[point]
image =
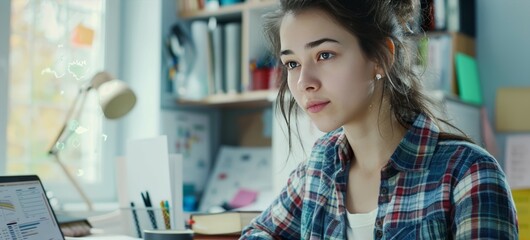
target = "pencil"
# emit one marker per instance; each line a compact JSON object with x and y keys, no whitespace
{"x":165,"y":213}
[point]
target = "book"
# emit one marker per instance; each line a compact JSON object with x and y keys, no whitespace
{"x":73,"y":226}
{"x":226,"y":223}
{"x":461,"y":16}
{"x":218,"y":56}
{"x":232,"y":57}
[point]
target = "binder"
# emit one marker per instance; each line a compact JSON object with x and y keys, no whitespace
{"x":233,"y":57}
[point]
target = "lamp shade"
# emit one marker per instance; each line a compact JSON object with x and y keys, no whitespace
{"x":115,"y":97}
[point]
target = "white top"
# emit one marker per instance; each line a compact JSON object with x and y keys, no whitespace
{"x":361,"y":225}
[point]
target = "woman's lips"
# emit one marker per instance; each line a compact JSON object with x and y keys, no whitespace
{"x":316,"y":106}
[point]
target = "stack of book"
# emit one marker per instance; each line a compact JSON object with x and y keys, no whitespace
{"x":225,"y":225}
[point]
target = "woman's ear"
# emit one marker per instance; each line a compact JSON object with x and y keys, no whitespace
{"x":392,"y":49}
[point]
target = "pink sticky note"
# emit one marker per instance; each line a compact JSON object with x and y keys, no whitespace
{"x":244,"y":197}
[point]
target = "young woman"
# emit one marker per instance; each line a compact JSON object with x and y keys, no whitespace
{"x":384,"y":170}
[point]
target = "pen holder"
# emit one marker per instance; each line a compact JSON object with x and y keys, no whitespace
{"x":168,"y":235}
{"x":139,"y":220}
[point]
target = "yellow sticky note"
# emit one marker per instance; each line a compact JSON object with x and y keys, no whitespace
{"x":522,"y":203}
{"x":513,"y":109}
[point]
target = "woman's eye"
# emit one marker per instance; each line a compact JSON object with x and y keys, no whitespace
{"x":325,"y":56}
{"x":291,"y":65}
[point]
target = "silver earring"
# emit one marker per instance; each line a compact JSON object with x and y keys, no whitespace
{"x":378,"y":76}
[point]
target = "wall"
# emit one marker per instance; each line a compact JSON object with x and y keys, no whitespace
{"x":5,"y":8}
{"x":502,"y":50}
{"x":141,"y":44}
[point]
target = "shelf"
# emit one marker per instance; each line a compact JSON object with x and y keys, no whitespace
{"x":260,"y":98}
{"x":227,"y":11}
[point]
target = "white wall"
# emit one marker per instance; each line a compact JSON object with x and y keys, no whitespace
{"x":141,"y":38}
{"x":5,"y":8}
{"x":502,"y":50}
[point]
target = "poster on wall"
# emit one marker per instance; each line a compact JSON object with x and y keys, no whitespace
{"x":241,"y":178}
{"x":189,"y":134}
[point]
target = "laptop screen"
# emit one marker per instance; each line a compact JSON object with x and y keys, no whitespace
{"x":25,"y":212}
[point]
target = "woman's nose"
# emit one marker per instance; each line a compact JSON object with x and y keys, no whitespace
{"x":308,"y":80}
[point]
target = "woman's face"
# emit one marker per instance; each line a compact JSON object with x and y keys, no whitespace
{"x":328,"y":74}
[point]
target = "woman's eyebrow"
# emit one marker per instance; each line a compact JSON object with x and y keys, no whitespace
{"x":310,"y":45}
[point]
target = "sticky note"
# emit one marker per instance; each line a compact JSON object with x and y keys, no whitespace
{"x":512,"y":110}
{"x":243,"y":197}
{"x":82,"y":36}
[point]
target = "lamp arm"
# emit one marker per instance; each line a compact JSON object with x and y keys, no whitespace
{"x":54,"y":151}
{"x":74,"y":182}
{"x":81,"y":95}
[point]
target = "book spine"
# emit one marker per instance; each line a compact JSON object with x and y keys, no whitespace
{"x":232,"y":48}
{"x":453,"y":15}
{"x":218,"y":59}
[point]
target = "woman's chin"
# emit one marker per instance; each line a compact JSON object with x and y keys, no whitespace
{"x":325,"y":127}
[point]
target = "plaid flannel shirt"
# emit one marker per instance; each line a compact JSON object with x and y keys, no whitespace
{"x":430,"y":189}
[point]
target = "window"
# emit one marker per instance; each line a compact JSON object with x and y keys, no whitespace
{"x":56,"y":46}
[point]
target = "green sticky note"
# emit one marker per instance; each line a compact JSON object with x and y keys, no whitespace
{"x":468,"y":79}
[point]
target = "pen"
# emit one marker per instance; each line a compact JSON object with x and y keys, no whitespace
{"x":165,"y":213}
{"x":135,"y":218}
{"x":149,"y":205}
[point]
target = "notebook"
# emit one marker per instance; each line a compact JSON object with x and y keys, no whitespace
{"x":25,"y":212}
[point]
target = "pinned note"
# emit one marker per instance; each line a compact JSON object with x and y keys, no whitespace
{"x":518,"y":161}
{"x":512,"y":109}
{"x":82,"y":36}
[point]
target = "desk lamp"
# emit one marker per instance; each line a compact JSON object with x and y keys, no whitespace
{"x":115,"y":98}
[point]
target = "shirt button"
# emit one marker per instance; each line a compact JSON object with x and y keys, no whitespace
{"x":379,"y":234}
{"x":384,"y":190}
{"x":378,"y":222}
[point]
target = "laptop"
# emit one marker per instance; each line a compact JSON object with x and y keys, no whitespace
{"x":25,"y":212}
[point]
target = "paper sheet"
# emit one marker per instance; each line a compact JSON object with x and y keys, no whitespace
{"x":147,"y":170}
{"x":175,"y":174}
{"x":518,"y":161}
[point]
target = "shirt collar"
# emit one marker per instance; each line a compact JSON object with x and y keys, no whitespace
{"x":344,"y":150}
{"x":413,"y":153}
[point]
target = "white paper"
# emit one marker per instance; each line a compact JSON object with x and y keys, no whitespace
{"x":147,"y":162}
{"x":518,"y":161}
{"x":175,"y":174}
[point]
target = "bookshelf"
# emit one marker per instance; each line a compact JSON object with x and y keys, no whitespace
{"x":250,"y":99}
{"x":249,"y":15}
{"x":236,"y":119}
{"x":226,"y":11}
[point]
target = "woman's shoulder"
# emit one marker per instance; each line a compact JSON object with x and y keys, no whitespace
{"x":460,"y":156}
